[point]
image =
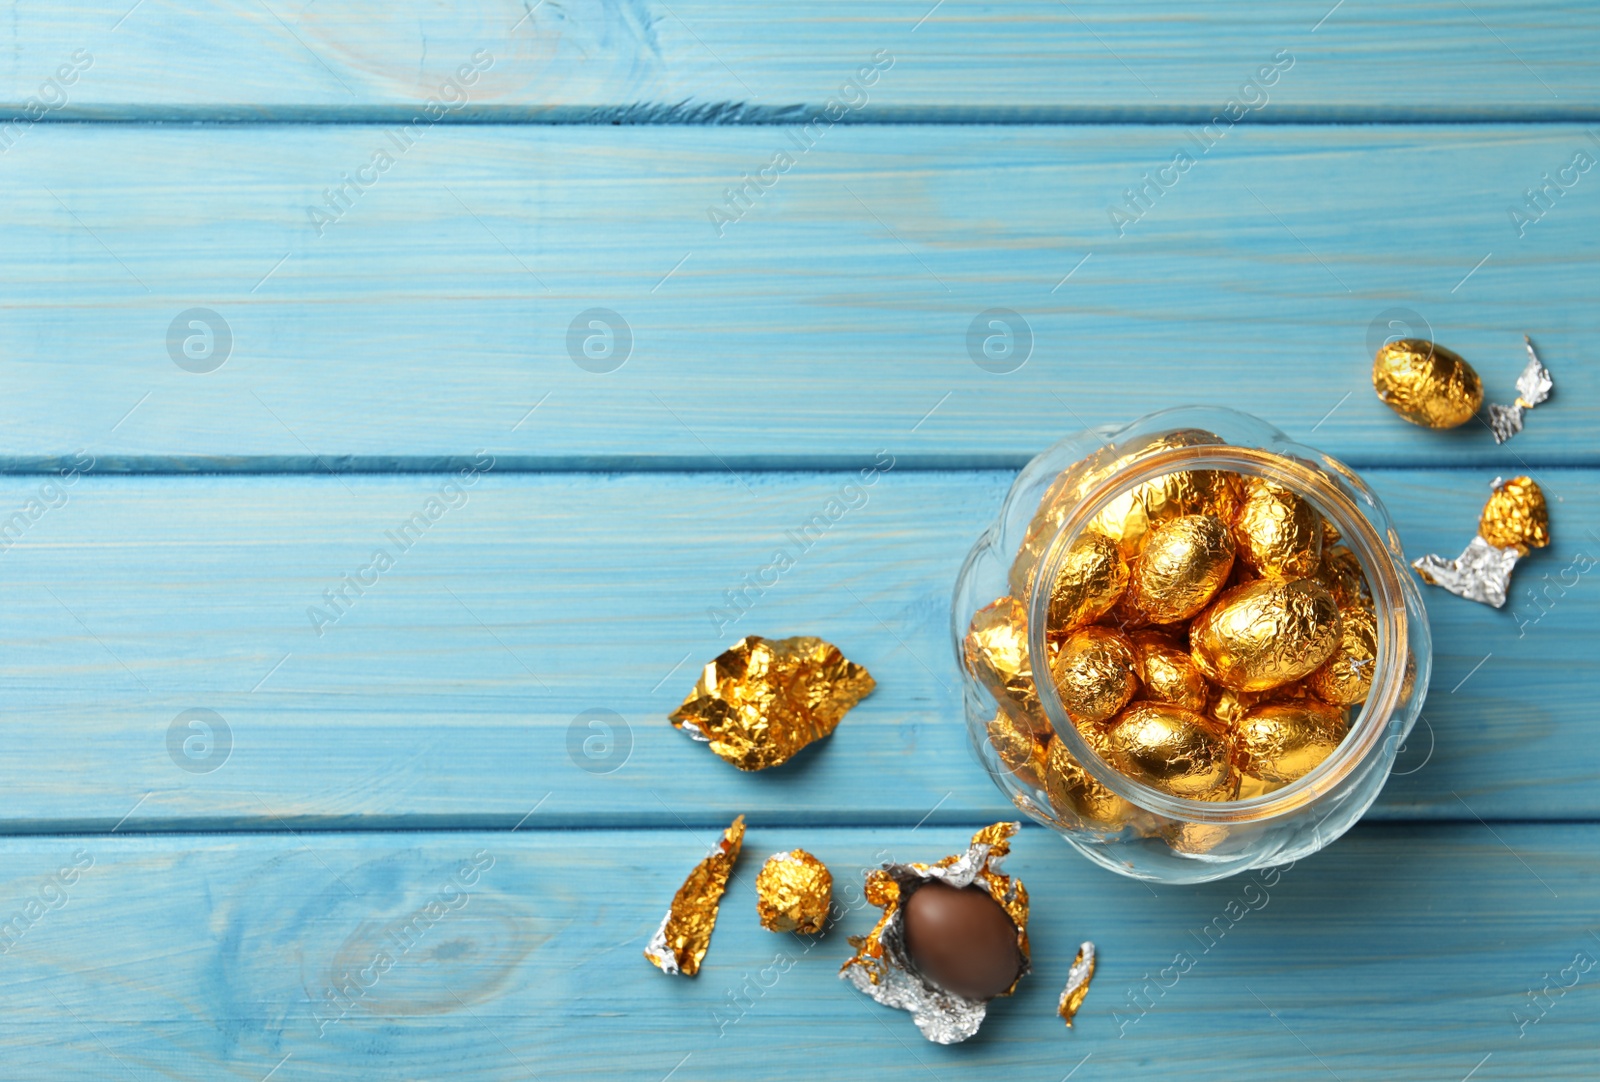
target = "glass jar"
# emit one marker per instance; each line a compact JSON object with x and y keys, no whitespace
{"x":1161,"y":836}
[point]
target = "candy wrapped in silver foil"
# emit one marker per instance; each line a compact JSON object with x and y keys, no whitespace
{"x":882,"y":966}
{"x":1514,"y":521}
{"x":1533,"y":387}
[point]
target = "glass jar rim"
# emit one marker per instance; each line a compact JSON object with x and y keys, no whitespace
{"x":1389,"y":603}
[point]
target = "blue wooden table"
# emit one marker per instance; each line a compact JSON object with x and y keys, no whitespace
{"x":289,"y":283}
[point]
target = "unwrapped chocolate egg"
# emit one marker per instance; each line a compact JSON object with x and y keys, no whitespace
{"x":996,"y":652}
{"x":1426,"y":384}
{"x":1278,"y":533}
{"x":1019,"y":749}
{"x":1516,"y":516}
{"x":1075,"y":794}
{"x":1346,"y":677}
{"x":1282,"y":741}
{"x":1091,"y":578}
{"x":1167,"y":673}
{"x":1265,"y":634}
{"x":1169,"y":748}
{"x":1094,"y":674}
{"x":1185,"y":562}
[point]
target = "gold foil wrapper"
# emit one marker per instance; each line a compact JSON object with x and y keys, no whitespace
{"x":1075,"y":795}
{"x":1346,"y":677}
{"x":1130,"y":516}
{"x":1090,"y":581}
{"x":1266,"y":634}
{"x":1169,"y":748}
{"x":1515,"y":520}
{"x":763,"y":700}
{"x":1279,"y":533}
{"x":1078,"y":978}
{"x":1426,"y":384}
{"x":996,"y":652}
{"x":881,"y":966}
{"x":1167,"y":673}
{"x":1280,"y":742}
{"x":1230,"y":707}
{"x":679,"y":945}
{"x":1341,"y":573}
{"x":793,"y":893}
{"x":1516,"y":516}
{"x":1185,"y":562}
{"x":1020,"y":750}
{"x":1094,"y":674}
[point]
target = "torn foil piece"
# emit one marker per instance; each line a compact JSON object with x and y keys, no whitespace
{"x":882,"y":967}
{"x":1533,"y":387}
{"x":1515,"y":520}
{"x":680,"y":943}
{"x":1078,"y":978}
{"x":762,"y":700}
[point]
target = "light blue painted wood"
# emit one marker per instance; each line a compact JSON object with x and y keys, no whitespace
{"x":447,"y":693}
{"x":695,"y":59}
{"x":1401,"y":953}
{"x":828,"y":323}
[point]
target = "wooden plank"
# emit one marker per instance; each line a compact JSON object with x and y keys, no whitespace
{"x":696,"y":60}
{"x":454,"y":689}
{"x":435,"y":314}
{"x":1401,"y":953}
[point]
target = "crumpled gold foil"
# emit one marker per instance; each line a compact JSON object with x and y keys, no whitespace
{"x":1078,"y":978}
{"x":1280,"y":742}
{"x":1514,"y":521}
{"x":1267,"y":633}
{"x":1076,"y":796}
{"x":1130,"y":516}
{"x":793,"y":893}
{"x":996,"y":652}
{"x":1091,"y":579}
{"x":762,"y":700}
{"x":1167,"y":674}
{"x":1346,"y":677}
{"x":1094,"y":674}
{"x":1278,"y":532}
{"x":1426,"y":384}
{"x":1022,"y":752}
{"x":881,"y":966}
{"x":679,"y":945}
{"x":1171,"y":749}
{"x":1341,"y":573}
{"x":1185,"y":562}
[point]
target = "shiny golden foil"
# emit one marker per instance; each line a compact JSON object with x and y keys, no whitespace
{"x":996,"y":652}
{"x":1019,"y":749}
{"x":1278,"y":532}
{"x":1167,"y":673}
{"x":1091,"y":579}
{"x":1130,"y":516}
{"x":763,"y":700}
{"x":1078,"y":978}
{"x":1280,"y":742}
{"x":1516,"y":516}
{"x":1169,"y":748}
{"x":1346,"y":677}
{"x":1265,"y":634}
{"x":1094,"y":674}
{"x":1426,"y":384}
{"x":880,"y":966}
{"x":1253,"y":787}
{"x":1075,"y":794}
{"x":1341,"y":574}
{"x":1185,"y":562}
{"x":793,"y":892}
{"x":679,"y":945}
{"x":1230,"y":707}
{"x":1194,"y":839}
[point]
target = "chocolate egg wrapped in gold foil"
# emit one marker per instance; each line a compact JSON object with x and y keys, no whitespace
{"x":1130,"y":516}
{"x":1019,"y":749}
{"x":1185,"y":562}
{"x":1426,"y":384}
{"x":1169,"y":748}
{"x":1091,"y":578}
{"x":1341,"y":574}
{"x":1167,"y":673}
{"x":1516,"y":516}
{"x":793,"y":893}
{"x":1075,"y":794}
{"x":1346,"y":677}
{"x":1281,"y":742}
{"x":1094,"y":674}
{"x":1278,"y":533}
{"x":1265,"y":634}
{"x":1230,"y":707}
{"x":996,"y":652}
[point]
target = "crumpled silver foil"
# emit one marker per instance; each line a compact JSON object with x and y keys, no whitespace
{"x":1482,"y":573}
{"x":1533,"y":387}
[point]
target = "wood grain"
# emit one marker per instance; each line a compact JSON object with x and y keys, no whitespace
{"x":212,"y":957}
{"x":431,"y":320}
{"x":453,"y":690}
{"x":697,"y":61}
